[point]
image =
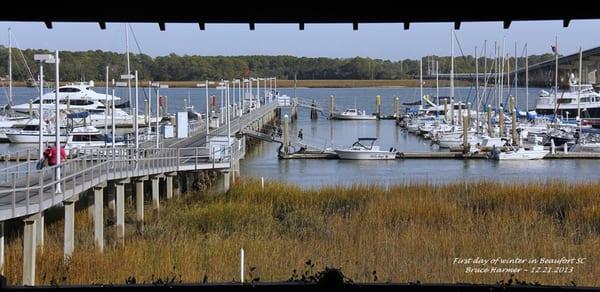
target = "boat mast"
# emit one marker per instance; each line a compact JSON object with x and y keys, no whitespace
{"x":580,"y":82}
{"x":452,"y":74}
{"x":421,"y":80}
{"x":476,"y":88}
{"x":555,"y":76}
{"x":437,"y":83}
{"x":526,"y":80}
{"x":128,"y":66}
{"x":516,"y":75}
{"x":10,"y":94}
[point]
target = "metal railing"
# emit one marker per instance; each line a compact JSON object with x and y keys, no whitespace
{"x":27,"y":192}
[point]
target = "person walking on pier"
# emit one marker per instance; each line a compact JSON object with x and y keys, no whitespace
{"x":51,"y":155}
{"x":300,"y":134}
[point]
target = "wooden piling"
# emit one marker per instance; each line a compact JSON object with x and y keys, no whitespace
{"x":515,"y":139}
{"x":331,"y":105}
{"x":286,"y":135}
{"x":396,"y":108}
{"x":313,"y":110}
{"x":378,"y":105}
{"x":465,"y":133}
{"x":446,"y":109}
{"x":489,"y":121}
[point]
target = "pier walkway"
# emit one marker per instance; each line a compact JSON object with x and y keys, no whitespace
{"x":26,"y":192}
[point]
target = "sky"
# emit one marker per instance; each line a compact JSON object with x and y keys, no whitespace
{"x":380,"y":41}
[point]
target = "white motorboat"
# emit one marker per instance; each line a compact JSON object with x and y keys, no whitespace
{"x":353,"y":114}
{"x":31,"y":134}
{"x":364,"y":149}
{"x":536,"y":152}
{"x":76,"y":97}
{"x":88,"y":137}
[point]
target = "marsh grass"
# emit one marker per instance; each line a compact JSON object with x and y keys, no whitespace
{"x":401,"y":233}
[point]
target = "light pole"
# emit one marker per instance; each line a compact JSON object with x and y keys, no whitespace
{"x":134,"y":113}
{"x":57,"y":102}
{"x":42,"y":58}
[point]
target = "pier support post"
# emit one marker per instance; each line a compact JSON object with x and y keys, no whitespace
{"x":29,"y":250}
{"x":40,"y":229}
{"x":2,"y":248}
{"x":139,"y":201}
{"x":99,"y":217}
{"x":169,"y":186}
{"x":69,"y":240}
{"x":489,"y":121}
{"x":155,"y":193}
{"x":226,"y":182}
{"x":120,"y":194}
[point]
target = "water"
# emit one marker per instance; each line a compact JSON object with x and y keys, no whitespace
{"x":262,"y":160}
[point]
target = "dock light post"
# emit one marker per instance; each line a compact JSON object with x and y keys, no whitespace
{"x":57,"y":131}
{"x":112,"y":115}
{"x":236,"y":103}
{"x":42,"y":58}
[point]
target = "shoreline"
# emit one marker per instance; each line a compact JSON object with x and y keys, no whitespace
{"x":281,"y":83}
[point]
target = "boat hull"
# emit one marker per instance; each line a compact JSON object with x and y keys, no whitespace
{"x":32,"y":138}
{"x":352,"y":117}
{"x":523,"y":155}
{"x":365,"y":155}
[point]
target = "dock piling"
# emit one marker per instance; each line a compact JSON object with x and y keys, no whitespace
{"x":489,"y":121}
{"x":286,"y":135}
{"x":29,"y":251}
{"x":378,"y":105}
{"x":446,"y":109}
{"x":515,"y":139}
{"x":501,"y":121}
{"x":465,"y":133}
{"x":331,"y":106}
{"x":396,"y":109}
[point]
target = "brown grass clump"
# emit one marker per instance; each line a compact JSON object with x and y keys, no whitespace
{"x":405,"y":233}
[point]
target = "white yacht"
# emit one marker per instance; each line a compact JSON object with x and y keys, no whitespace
{"x":30,"y":133}
{"x":566,"y":101}
{"x":536,"y":152}
{"x":353,"y":114}
{"x":76,"y":96}
{"x":364,"y":149}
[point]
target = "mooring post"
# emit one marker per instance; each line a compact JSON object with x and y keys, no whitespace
{"x":465,"y":134}
{"x":469,"y":116}
{"x":501,"y":121}
{"x":331,"y":105}
{"x":460,"y":114}
{"x":378,"y":105}
{"x":452,"y":111}
{"x":515,"y":139}
{"x":489,"y":121}
{"x":446,"y":109}
{"x":29,"y":250}
{"x":286,"y":136}
{"x":396,"y":109}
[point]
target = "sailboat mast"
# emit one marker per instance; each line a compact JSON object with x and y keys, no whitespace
{"x":421,"y":80}
{"x":526,"y":80}
{"x":437,"y":82}
{"x":580,"y":82}
{"x":452,"y":75}
{"x":476,"y":88}
{"x":128,"y":66}
{"x":10,"y":93}
{"x":555,"y":76}
{"x":516,"y":77}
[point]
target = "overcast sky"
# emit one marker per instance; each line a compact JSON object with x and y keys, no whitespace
{"x":383,"y":41}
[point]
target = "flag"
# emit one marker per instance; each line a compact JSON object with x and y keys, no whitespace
{"x":553,"y":49}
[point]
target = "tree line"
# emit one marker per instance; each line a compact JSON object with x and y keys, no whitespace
{"x":91,"y":65}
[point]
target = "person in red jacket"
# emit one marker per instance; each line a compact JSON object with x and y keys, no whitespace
{"x":51,"y":155}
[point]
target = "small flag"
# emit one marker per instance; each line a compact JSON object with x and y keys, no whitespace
{"x":553,"y":49}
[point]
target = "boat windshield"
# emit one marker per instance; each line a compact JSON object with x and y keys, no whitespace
{"x":364,"y":143}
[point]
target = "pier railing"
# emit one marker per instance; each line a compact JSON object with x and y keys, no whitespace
{"x":26,"y":192}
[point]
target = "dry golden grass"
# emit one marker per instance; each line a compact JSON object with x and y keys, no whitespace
{"x":404,"y":233}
